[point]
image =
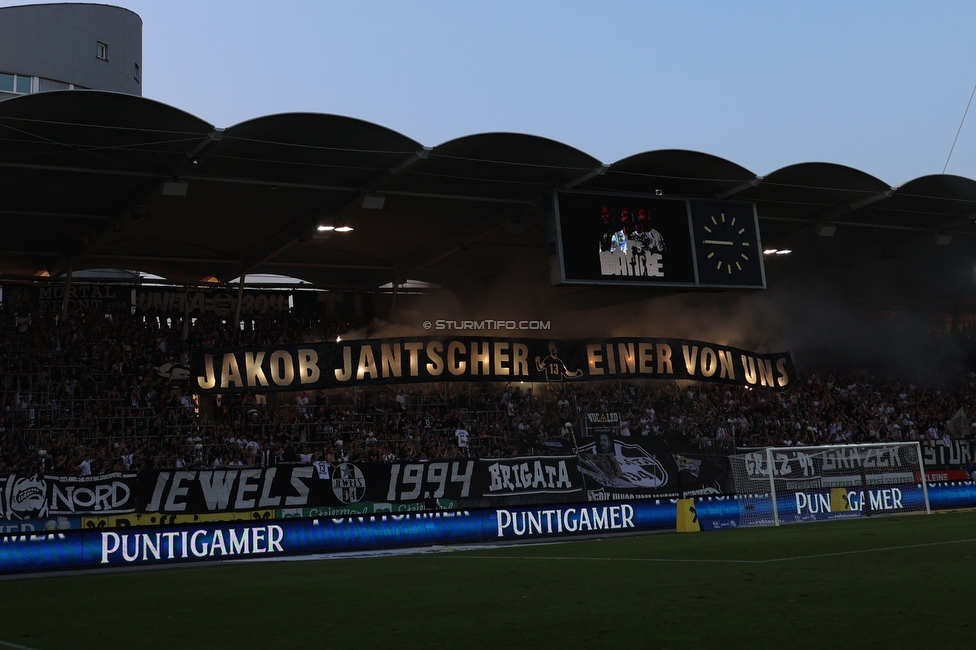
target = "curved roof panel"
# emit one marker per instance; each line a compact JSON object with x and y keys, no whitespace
{"x":807,"y":190}
{"x":81,"y":127}
{"x":506,"y":165}
{"x":932,"y":203}
{"x":674,"y":172}
{"x":307,"y":148}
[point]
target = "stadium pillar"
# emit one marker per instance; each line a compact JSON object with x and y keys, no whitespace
{"x":186,"y":312}
{"x":396,"y":286}
{"x":240,"y":299}
{"x":64,"y":298}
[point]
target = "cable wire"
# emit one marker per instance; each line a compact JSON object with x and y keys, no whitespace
{"x":959,"y":130}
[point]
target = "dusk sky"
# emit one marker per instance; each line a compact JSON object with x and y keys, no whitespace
{"x":879,"y":86}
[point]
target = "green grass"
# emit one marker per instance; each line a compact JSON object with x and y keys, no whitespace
{"x":883,"y":583}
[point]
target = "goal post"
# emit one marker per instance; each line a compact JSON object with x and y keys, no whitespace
{"x":777,"y":485}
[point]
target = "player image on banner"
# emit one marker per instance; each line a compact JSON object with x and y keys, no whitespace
{"x":630,"y":246}
{"x":554,"y":367}
{"x":622,"y":465}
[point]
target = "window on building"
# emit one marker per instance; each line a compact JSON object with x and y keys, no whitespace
{"x":136,"y":74}
{"x":15,"y":83}
{"x":101,"y":51}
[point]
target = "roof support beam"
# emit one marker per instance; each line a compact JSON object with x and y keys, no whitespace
{"x":452,"y":243}
{"x":54,"y":215}
{"x":748,"y":185}
{"x":847,"y":208}
{"x":235,"y":263}
{"x":874,"y":226}
{"x":357,"y":190}
{"x":832,"y":215}
{"x":103,"y":171}
{"x":126,"y":207}
{"x":597,"y":171}
{"x":348,"y":197}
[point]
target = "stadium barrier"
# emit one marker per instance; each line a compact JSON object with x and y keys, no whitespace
{"x":73,"y":549}
{"x":257,"y":535}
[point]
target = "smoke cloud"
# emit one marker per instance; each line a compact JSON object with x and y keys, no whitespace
{"x":875,"y":315}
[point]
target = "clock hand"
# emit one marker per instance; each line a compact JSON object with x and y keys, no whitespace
{"x":720,"y":242}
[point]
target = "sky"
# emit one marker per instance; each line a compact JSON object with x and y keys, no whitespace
{"x":878,"y":86}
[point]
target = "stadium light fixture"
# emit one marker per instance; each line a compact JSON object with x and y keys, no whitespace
{"x":770,"y":251}
{"x":337,"y":225}
{"x":785,"y":251}
{"x":175,"y":187}
{"x":373,"y":201}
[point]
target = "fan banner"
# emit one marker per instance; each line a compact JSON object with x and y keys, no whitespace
{"x":25,"y":497}
{"x":837,"y":467}
{"x":374,"y":362}
{"x":937,"y":454}
{"x":90,"y":298}
{"x":628,"y":468}
{"x":377,"y":487}
{"x":203,"y":301}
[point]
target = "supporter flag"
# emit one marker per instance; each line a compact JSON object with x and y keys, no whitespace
{"x":958,"y":426}
{"x":686,"y":464}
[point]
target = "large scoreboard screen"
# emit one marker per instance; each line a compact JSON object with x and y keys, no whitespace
{"x":646,"y":240}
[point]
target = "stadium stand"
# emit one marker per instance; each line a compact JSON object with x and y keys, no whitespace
{"x":99,"y":393}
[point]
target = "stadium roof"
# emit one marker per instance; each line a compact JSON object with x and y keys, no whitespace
{"x":104,"y":180}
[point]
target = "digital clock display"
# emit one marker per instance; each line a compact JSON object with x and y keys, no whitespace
{"x":727,"y":244}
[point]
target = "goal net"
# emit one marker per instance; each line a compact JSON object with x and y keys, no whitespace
{"x":829,"y":482}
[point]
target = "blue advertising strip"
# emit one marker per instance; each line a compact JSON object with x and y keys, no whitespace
{"x":384,"y":531}
{"x":716,"y":513}
{"x":41,"y":551}
{"x":51,"y":524}
{"x":589,"y":519}
{"x":244,"y":539}
{"x":957,"y":494}
{"x":819,"y":505}
{"x":67,"y":549}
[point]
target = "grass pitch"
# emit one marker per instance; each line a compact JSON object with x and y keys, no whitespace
{"x":880,"y":583}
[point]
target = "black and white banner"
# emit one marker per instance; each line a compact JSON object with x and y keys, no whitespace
{"x":405,"y":482}
{"x":528,"y":479}
{"x":937,"y":455}
{"x":601,"y":424}
{"x":801,"y":468}
{"x":304,"y":486}
{"x":37,"y":497}
{"x":221,"y":303}
{"x":222,"y":490}
{"x":628,"y":468}
{"x":90,"y":298}
{"x":474,"y":359}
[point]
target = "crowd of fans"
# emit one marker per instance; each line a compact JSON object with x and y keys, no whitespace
{"x":96,"y":393}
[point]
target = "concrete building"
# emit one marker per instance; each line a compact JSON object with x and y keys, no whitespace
{"x":69,"y":45}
